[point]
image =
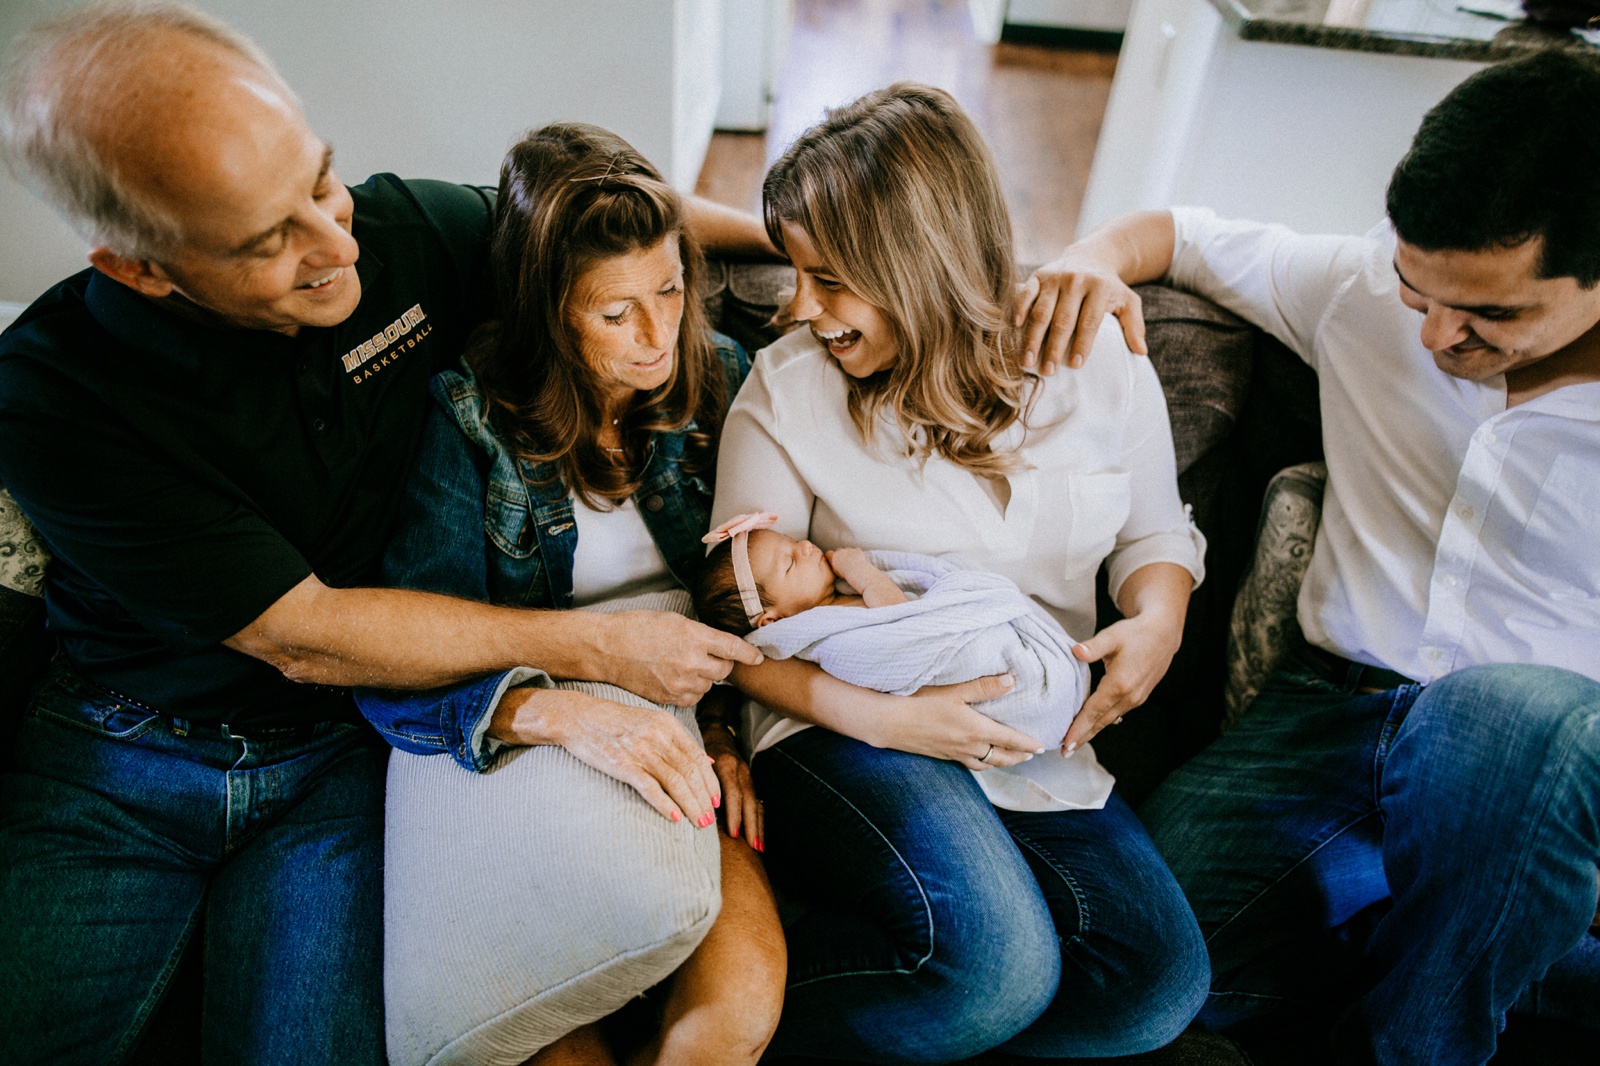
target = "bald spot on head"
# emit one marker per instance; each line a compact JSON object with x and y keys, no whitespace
{"x":185,"y":123}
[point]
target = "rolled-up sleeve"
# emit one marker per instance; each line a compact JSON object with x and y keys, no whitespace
{"x":453,"y":719}
{"x":1159,"y":528}
{"x":440,"y":546}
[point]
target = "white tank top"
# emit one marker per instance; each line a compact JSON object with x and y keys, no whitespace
{"x":615,"y":556}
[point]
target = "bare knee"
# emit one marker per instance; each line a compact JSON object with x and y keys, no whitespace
{"x":727,"y":997}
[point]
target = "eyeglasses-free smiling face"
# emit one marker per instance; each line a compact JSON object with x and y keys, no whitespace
{"x":855,"y":332}
{"x":1488,"y":312}
{"x":624,"y":313}
{"x":794,"y":575}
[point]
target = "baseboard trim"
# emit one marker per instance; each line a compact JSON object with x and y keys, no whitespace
{"x":1062,"y":37}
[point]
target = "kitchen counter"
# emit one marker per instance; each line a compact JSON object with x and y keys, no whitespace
{"x":1436,"y":28}
{"x":1292,"y":111}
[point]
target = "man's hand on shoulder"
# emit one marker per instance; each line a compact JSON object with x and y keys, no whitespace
{"x":1060,"y":308}
{"x":1061,"y":305}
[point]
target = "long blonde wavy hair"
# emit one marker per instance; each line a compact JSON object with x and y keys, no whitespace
{"x":900,"y":196}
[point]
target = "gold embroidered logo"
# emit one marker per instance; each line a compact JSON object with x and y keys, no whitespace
{"x":391,"y":356}
{"x":381,"y":341}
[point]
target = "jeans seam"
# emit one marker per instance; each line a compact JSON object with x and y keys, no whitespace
{"x":136,"y":1032}
{"x":921,"y":892}
{"x":1085,"y":915}
{"x":1380,"y":756}
{"x":1517,"y":879}
{"x":1335,"y":835}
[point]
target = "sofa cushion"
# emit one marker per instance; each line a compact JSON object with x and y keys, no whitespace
{"x":22,"y":554}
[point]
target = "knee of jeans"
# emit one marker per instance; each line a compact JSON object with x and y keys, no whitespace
{"x":1520,"y":708}
{"x":1163,"y":992}
{"x":984,"y":983}
{"x":1139,"y":988}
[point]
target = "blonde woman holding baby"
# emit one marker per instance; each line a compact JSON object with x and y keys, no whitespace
{"x":949,"y":911}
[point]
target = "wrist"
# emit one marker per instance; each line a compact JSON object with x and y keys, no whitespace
{"x":526,"y":716}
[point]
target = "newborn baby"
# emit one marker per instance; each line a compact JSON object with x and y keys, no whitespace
{"x":849,"y":612}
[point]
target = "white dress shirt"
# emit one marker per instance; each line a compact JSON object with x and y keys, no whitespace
{"x":1455,"y":531}
{"x":1099,"y":483}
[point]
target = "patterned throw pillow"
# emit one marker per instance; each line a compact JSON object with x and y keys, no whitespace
{"x":22,"y":553}
{"x":1264,"y":625}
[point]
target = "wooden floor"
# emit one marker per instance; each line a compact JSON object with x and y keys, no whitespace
{"x":1040,"y":108}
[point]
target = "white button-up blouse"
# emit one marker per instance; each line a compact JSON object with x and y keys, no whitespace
{"x":1098,"y":485}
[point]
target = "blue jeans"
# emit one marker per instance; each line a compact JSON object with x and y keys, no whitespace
{"x":938,"y":927}
{"x":120,"y":840}
{"x":1406,"y":863}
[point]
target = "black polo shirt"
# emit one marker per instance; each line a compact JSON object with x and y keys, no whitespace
{"x":186,"y":476}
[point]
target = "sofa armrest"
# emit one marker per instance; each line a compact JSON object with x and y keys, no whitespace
{"x":741,"y":297}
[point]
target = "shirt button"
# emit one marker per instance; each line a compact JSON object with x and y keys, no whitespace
{"x":1466,"y":512}
{"x":1490,"y":438}
{"x":318,"y":424}
{"x":1432,"y":654}
{"x":654,"y":503}
{"x":1450,"y":581}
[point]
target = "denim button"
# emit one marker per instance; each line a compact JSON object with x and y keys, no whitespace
{"x":654,"y":503}
{"x":318,"y":424}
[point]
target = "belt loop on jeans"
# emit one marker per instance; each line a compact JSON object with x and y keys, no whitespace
{"x":182,"y":727}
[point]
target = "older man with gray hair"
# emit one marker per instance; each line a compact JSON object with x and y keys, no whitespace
{"x":211,"y":429}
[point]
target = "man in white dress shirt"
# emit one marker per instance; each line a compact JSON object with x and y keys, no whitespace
{"x":1401,"y":835}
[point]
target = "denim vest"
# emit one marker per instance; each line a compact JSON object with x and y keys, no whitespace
{"x":476,"y":523}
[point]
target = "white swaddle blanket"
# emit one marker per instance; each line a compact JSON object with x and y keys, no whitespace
{"x":961,"y":624}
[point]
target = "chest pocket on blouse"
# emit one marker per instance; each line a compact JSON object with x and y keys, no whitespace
{"x":1558,"y":540}
{"x":1099,"y":506}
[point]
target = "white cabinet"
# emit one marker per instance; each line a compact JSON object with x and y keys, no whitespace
{"x":1307,"y":136}
{"x":754,"y":36}
{"x":1104,"y":15}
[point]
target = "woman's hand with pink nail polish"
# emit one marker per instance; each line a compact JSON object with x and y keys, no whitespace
{"x":646,"y":750}
{"x":741,"y":814}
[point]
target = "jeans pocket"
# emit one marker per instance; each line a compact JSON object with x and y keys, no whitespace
{"x":66,"y":701}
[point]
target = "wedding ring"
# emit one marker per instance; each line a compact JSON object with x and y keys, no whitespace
{"x":987,"y":754}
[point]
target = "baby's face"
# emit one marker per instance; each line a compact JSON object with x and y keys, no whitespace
{"x":794,"y":574}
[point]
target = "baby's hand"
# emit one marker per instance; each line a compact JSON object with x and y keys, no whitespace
{"x":874,"y":586}
{"x":851,"y":564}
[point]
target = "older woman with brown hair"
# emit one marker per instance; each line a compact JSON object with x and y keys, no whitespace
{"x":551,"y":849}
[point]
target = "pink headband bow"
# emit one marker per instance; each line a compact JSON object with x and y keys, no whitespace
{"x":738,"y":529}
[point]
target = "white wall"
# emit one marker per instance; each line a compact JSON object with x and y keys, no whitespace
{"x":428,"y":89}
{"x":1281,"y":133}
